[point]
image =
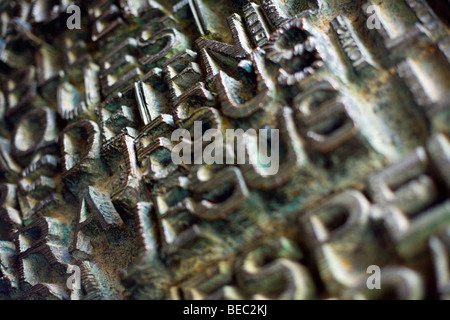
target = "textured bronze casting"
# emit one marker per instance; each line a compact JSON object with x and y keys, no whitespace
{"x":360,"y":93}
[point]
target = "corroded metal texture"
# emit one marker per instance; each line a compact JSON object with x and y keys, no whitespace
{"x":360,"y":93}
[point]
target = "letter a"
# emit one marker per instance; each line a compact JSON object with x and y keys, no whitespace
{"x":215,"y":147}
{"x":74,"y":21}
{"x":373,"y":22}
{"x":74,"y":281}
{"x":374,"y":281}
{"x":184,"y":145}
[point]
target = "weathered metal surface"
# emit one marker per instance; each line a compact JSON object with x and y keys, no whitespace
{"x":86,"y":177}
